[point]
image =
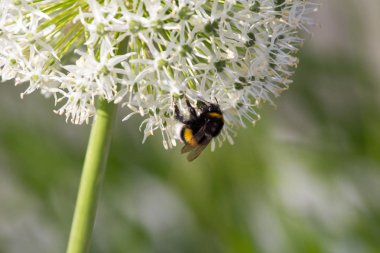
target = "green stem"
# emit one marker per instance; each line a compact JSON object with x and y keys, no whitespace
{"x":92,"y":177}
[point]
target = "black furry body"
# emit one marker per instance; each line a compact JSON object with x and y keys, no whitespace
{"x":198,"y":130}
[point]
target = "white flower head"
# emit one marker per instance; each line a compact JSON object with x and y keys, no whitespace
{"x":150,"y":55}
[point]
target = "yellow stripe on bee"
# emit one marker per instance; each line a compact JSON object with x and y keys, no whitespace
{"x":215,"y":115}
{"x":188,"y":136}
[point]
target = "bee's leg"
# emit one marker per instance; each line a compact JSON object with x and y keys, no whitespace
{"x":177,"y":115}
{"x":193,"y":113}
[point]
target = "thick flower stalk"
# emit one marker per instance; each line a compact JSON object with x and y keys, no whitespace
{"x":147,"y":55}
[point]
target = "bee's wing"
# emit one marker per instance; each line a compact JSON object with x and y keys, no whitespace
{"x":197,"y":150}
{"x":187,"y":148}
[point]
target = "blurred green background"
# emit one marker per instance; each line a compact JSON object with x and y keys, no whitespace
{"x":306,"y":178}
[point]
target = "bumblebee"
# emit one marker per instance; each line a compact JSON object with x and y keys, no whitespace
{"x":199,"y":129}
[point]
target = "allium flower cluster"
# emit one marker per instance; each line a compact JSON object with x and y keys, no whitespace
{"x":148,"y":55}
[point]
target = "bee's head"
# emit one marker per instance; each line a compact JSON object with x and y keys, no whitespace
{"x":213,"y":108}
{"x":208,"y":107}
